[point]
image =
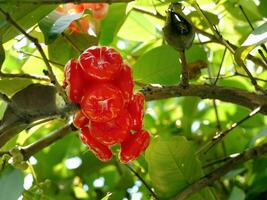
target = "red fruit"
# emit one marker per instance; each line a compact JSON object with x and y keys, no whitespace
{"x":99,"y":10}
{"x":134,"y":146}
{"x":101,"y":151}
{"x":124,"y":81}
{"x":80,"y":120}
{"x":70,"y":8}
{"x":79,"y":26}
{"x":136,"y":110}
{"x":73,"y":81}
{"x":102,"y":102}
{"x":101,"y":63}
{"x":114,"y":131}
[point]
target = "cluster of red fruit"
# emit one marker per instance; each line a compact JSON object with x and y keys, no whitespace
{"x":110,"y":112}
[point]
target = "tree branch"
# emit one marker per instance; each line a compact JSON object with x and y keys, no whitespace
{"x":40,"y":144}
{"x":38,"y":57}
{"x":4,"y":98}
{"x":219,"y":136}
{"x":143,"y":181}
{"x":26,"y":76}
{"x":216,"y":174}
{"x":212,"y":38}
{"x":232,"y":95}
{"x":50,"y":74}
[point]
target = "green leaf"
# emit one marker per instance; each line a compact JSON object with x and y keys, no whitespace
{"x":194,"y":16}
{"x":195,"y":53}
{"x":11,"y":185}
{"x":11,"y":86}
{"x":257,"y":37}
{"x":237,"y":193}
{"x":249,"y":7}
{"x":55,"y":23}
{"x":263,"y":7}
{"x":112,"y":23}
{"x":2,"y":53}
{"x":138,"y":28}
{"x":172,"y":166}
{"x":159,"y":65}
{"x":61,"y":51}
{"x":26,"y":15}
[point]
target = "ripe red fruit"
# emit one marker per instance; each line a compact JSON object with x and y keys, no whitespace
{"x":101,"y":151}
{"x":114,"y":131}
{"x":124,"y":81}
{"x":70,"y":8}
{"x":102,"y":102}
{"x":73,"y":81}
{"x":101,"y":63}
{"x":80,"y":120}
{"x":136,"y":110}
{"x":134,"y":146}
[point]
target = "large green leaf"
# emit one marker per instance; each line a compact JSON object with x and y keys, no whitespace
{"x":26,"y":15}
{"x":55,"y":23}
{"x":249,"y":7}
{"x":11,"y":185}
{"x":61,"y":50}
{"x":137,"y":27}
{"x":112,"y":23}
{"x":195,"y":53}
{"x":160,"y":65}
{"x":257,"y":37}
{"x":237,"y":193}
{"x":172,"y":166}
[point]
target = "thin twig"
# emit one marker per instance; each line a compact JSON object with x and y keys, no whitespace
{"x":251,"y":26}
{"x":218,"y":137}
{"x":243,"y":75}
{"x":71,"y":43}
{"x":218,"y":123}
{"x":206,"y":42}
{"x":26,"y":76}
{"x":40,"y":144}
{"x":262,"y":56}
{"x":219,"y":172}
{"x":41,"y":51}
{"x":245,"y":15}
{"x":140,"y":84}
{"x":212,"y":38}
{"x":219,"y":71}
{"x":38,"y":57}
{"x":185,"y":74}
{"x":236,"y":74}
{"x":219,"y":37}
{"x":143,"y":181}
{"x":220,"y":160}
